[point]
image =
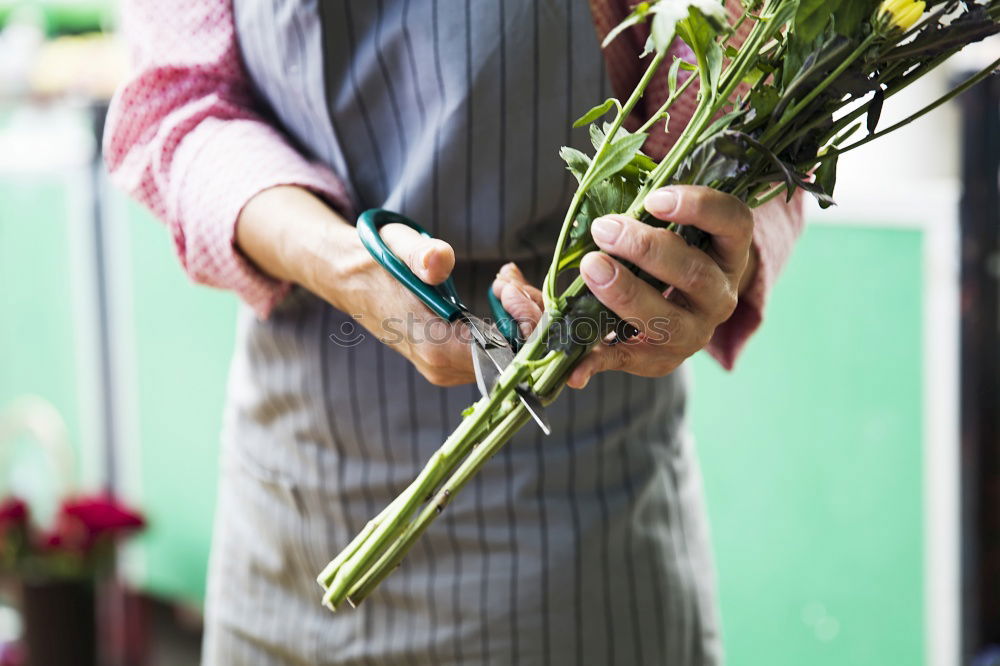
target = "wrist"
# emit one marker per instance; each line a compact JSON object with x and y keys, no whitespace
{"x":293,"y":236}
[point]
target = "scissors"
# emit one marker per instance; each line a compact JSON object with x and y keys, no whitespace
{"x":492,"y":345}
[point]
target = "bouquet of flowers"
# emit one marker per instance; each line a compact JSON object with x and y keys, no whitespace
{"x":78,"y":546}
{"x":773,"y":116}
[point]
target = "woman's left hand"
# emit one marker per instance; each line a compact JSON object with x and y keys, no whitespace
{"x":672,"y":325}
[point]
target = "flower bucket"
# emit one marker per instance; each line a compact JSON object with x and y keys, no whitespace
{"x":60,"y":622}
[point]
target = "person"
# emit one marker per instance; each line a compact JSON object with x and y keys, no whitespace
{"x":257,"y":130}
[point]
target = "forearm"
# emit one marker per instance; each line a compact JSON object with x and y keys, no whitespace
{"x":292,"y":235}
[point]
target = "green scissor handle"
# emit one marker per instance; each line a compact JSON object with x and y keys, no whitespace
{"x":504,"y":322}
{"x":442,"y":299}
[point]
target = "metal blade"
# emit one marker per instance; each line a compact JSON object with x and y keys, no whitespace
{"x":486,"y":371}
{"x":534,"y":407}
{"x":491,"y":353}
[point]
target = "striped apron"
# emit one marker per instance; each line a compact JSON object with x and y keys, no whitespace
{"x":586,"y":547}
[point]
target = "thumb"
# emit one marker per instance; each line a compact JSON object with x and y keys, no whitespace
{"x":430,"y":259}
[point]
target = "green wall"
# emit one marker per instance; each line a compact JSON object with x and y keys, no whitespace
{"x":814,"y":473}
{"x":37,"y":326}
{"x":183,"y":342}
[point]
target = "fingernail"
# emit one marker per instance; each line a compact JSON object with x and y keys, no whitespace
{"x":606,"y":229}
{"x":507,"y":271}
{"x":663,"y":202}
{"x":598,"y":268}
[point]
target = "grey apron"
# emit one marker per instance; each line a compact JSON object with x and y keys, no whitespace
{"x":586,"y":547}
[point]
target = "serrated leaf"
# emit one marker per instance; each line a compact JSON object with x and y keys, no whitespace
{"x":618,"y":157}
{"x":610,"y":196}
{"x":596,"y":112}
{"x":716,"y":159}
{"x":576,"y":162}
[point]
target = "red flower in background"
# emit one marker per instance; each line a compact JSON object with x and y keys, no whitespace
{"x":13,"y":513}
{"x":84,"y":520}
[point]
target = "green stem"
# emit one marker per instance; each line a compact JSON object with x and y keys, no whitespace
{"x":791,"y":113}
{"x":646,"y":126}
{"x":549,"y":287}
{"x":968,"y":83}
{"x":391,"y":558}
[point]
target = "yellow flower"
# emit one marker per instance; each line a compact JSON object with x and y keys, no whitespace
{"x":901,"y":14}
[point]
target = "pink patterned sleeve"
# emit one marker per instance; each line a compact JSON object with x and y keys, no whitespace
{"x":184,"y":138}
{"x":777,"y":226}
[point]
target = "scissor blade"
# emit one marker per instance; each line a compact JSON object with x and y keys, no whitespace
{"x":534,"y":407}
{"x":488,"y":371}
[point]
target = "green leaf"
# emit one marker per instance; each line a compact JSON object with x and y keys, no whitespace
{"x":875,"y":109}
{"x":668,"y":14}
{"x":720,"y":124}
{"x":576,"y":162}
{"x":596,"y":136}
{"x":664,"y":26}
{"x":672,"y":76}
{"x":717,"y":159}
{"x":848,"y":17}
{"x":763,"y":100}
{"x":618,"y":157}
{"x":812,"y":16}
{"x":713,"y":56}
{"x":826,"y":178}
{"x":637,"y":15}
{"x":643,"y":163}
{"x":596,"y":112}
{"x":610,"y":196}
{"x":793,"y":179}
{"x":579,"y":325}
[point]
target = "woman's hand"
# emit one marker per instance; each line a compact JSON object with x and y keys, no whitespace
{"x":672,"y":325}
{"x":292,"y":235}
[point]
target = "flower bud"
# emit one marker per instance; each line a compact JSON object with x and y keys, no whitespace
{"x":901,"y":14}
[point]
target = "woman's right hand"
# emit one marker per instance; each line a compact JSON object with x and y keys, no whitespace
{"x":293,"y":236}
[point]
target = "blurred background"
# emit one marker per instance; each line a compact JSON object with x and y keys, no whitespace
{"x":854,"y":494}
